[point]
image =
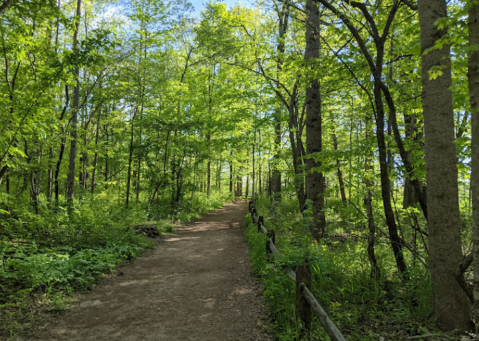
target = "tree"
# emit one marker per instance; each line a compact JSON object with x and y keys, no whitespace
{"x":75,"y":107}
{"x":473,"y":76}
{"x":449,"y":302}
{"x":315,"y":186}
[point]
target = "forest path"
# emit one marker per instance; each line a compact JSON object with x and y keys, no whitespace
{"x":195,"y":285}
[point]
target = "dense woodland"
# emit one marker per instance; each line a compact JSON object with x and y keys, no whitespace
{"x":352,"y":125}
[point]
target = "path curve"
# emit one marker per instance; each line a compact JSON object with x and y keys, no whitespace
{"x":195,"y":285}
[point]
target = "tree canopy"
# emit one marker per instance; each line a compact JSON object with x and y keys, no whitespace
{"x":352,"y":117}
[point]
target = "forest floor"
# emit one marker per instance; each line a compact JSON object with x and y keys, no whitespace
{"x":195,"y":285}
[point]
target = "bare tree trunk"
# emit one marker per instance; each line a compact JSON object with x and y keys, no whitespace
{"x":253,"y":170}
{"x":344,"y":200}
{"x":138,"y":176}
{"x":95,"y":159}
{"x":50,"y":175}
{"x":130,"y":159}
{"x":297,"y":148}
{"x":208,"y":169}
{"x":107,"y":170}
{"x":386,"y":183}
{"x":449,"y":302}
{"x":239,"y":186}
{"x":63,"y":140}
{"x":218,"y":174}
{"x":7,"y":184}
{"x":74,"y":120}
{"x":283,"y":16}
{"x":473,"y":75}
{"x":231,"y":176}
{"x":375,"y":272}
{"x":315,"y":184}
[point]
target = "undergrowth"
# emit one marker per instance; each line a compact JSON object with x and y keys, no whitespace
{"x":46,"y":257}
{"x":361,"y":308}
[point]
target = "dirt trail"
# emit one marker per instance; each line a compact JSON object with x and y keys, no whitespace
{"x":195,"y":285}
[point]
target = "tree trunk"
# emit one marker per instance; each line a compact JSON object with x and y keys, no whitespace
{"x":297,"y":152}
{"x":208,"y":169}
{"x":412,"y":132}
{"x":375,"y":272}
{"x":282,"y":29}
{"x":239,"y":186}
{"x":344,"y":200}
{"x":473,"y":75}
{"x":74,"y":120}
{"x":95,"y":158}
{"x":315,"y":185}
{"x":130,"y":159}
{"x":231,"y":176}
{"x":138,"y":176}
{"x":7,"y":184}
{"x":50,"y":175}
{"x":218,"y":174}
{"x":385,"y":182}
{"x":63,"y":140}
{"x":449,"y":303}
{"x":107,"y":169}
{"x":253,"y":170}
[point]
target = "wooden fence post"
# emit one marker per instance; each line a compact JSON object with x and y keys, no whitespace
{"x":254,"y":214}
{"x":303,"y":310}
{"x":269,"y":235}
{"x":260,"y":222}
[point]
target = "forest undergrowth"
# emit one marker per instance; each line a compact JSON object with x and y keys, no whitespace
{"x":46,"y":258}
{"x":361,"y":307}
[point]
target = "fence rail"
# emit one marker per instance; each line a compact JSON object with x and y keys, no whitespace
{"x":305,"y":300}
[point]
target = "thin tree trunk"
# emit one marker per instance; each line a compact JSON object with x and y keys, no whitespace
{"x":107,"y":136}
{"x":138,"y":175}
{"x":283,"y":15}
{"x":7,"y":184}
{"x":63,"y":140}
{"x":375,"y":272}
{"x":253,"y":170}
{"x":95,"y":159}
{"x":386,"y":184}
{"x":130,"y":159}
{"x":208,"y":169}
{"x":340,"y":173}
{"x":74,"y":120}
{"x":231,"y":176}
{"x":50,"y":175}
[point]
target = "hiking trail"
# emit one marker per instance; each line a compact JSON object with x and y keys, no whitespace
{"x":195,"y":285}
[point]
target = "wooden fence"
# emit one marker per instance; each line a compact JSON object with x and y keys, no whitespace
{"x":305,"y":301}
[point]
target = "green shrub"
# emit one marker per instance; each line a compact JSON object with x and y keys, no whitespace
{"x":341,"y":280}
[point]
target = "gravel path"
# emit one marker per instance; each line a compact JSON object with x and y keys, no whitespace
{"x":195,"y":285}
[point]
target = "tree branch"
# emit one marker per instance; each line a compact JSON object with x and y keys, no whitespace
{"x":459,"y":274}
{"x":353,"y":31}
{"x":5,"y":5}
{"x":409,"y":4}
